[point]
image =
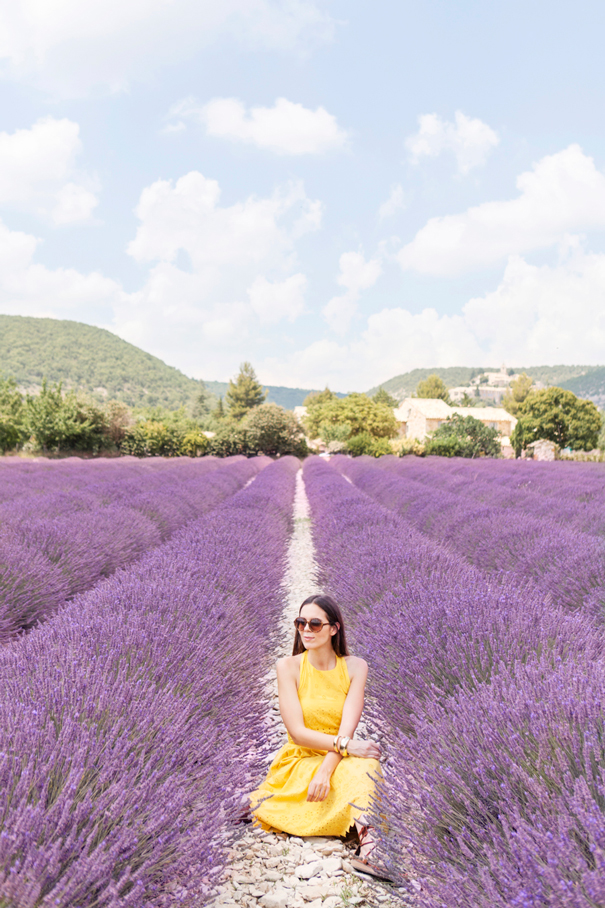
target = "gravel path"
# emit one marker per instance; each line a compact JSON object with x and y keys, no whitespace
{"x":274,"y":870}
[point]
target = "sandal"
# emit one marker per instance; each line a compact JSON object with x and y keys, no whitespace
{"x":363,"y":864}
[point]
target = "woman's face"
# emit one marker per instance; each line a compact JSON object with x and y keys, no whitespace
{"x":322,"y":637}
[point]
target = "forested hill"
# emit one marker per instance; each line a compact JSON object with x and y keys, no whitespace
{"x":101,"y":364}
{"x":585,"y":381}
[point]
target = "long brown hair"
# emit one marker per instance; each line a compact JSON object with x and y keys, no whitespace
{"x":334,"y":616}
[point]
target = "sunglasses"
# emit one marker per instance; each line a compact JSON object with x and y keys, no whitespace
{"x":315,"y":624}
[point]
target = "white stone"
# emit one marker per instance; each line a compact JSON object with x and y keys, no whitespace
{"x":348,"y":867}
{"x":272,"y":875}
{"x":332,"y":901}
{"x":329,"y":865}
{"x":276,"y":899}
{"x":306,"y":871}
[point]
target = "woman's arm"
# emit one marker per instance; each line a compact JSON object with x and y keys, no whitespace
{"x":291,"y":712}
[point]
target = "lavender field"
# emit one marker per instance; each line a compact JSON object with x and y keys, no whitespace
{"x":122,"y":716}
{"x":478,"y":597}
{"x":139,"y":602}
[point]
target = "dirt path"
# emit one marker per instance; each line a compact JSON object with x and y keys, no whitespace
{"x":276,"y":870}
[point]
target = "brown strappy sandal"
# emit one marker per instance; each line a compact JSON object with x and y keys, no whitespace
{"x":363,"y":865}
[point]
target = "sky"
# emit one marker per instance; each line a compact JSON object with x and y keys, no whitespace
{"x":337,"y":192}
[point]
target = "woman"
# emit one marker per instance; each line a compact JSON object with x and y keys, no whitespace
{"x":319,"y":783}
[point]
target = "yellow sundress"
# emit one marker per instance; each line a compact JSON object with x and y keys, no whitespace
{"x":322,"y":695}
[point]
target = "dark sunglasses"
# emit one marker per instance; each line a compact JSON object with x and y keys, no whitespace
{"x":315,"y":624}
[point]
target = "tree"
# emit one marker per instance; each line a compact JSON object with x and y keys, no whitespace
{"x":316,"y":404}
{"x":219,"y":410}
{"x":467,"y":401}
{"x":11,"y":415}
{"x":464,"y":436}
{"x":433,"y":388}
{"x":245,"y":392}
{"x":358,"y":411}
{"x":517,"y":393}
{"x":383,"y":397}
{"x":202,"y":406}
{"x":64,"y":423}
{"x":557,"y":415}
{"x":273,"y":430}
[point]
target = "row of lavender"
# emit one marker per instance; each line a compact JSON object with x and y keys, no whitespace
{"x":63,"y":527}
{"x":489,"y":696}
{"x":534,"y":488}
{"x":519,"y":533}
{"x":131,"y":723}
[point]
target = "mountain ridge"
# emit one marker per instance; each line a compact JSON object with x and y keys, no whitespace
{"x":99,"y":363}
{"x":584,"y":381}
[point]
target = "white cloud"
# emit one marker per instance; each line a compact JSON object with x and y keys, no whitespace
{"x":394,"y":203}
{"x":38,"y":172}
{"x":67,"y":47}
{"x":537,"y":315}
{"x":469,"y":139}
{"x":564,"y":193}
{"x":355,"y":275}
{"x":242,"y":270}
{"x":285,"y":128}
{"x":273,"y":301}
{"x":29,"y":288}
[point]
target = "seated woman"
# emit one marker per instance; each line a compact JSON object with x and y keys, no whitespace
{"x":320,"y":784}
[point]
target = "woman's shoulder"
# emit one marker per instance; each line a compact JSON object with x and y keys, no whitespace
{"x":288,"y":664}
{"x":356,"y":666}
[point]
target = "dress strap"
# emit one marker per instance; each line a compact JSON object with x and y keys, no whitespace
{"x":344,"y":672}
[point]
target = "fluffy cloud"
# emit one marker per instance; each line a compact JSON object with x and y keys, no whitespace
{"x":536,"y":315}
{"x":469,"y":139}
{"x":37,"y":171}
{"x":394,"y":203}
{"x":355,"y":275}
{"x":564,"y":193}
{"x":29,"y":288}
{"x":285,"y":128}
{"x":67,"y":46}
{"x":275,"y":300}
{"x":218,"y":273}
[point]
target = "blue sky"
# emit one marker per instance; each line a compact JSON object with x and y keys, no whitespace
{"x":338,"y":192}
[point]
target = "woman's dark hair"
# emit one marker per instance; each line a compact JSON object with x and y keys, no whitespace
{"x":334,"y":616}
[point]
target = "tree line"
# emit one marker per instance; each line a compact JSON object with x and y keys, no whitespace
{"x":58,"y":422}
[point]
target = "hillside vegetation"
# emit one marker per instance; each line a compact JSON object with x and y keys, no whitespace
{"x":584,"y":381}
{"x":102,"y":365}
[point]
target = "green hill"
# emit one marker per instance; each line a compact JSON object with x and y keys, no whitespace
{"x":99,"y":363}
{"x":585,"y":381}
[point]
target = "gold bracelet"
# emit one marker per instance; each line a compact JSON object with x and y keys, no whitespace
{"x":336,"y":744}
{"x":342,"y":746}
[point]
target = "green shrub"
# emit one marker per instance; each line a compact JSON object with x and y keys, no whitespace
{"x":272,"y":430}
{"x":364,"y":443}
{"x":194,"y":444}
{"x":54,"y":422}
{"x":229,"y":439}
{"x":151,"y":439}
{"x":464,"y":436}
{"x":450,"y":446}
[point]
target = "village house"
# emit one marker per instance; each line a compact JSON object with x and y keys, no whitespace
{"x":419,"y":417}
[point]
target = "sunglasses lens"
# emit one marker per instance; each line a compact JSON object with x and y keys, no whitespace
{"x":299,"y":623}
{"x":315,"y":624}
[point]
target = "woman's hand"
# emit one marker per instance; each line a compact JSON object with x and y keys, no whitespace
{"x":357,"y":748}
{"x":319,"y":786}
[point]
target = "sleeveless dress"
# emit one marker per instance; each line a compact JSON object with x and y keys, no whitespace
{"x":285,"y":806}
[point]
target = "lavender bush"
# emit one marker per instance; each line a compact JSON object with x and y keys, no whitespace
{"x":56,"y":541}
{"x":131,"y":721}
{"x":566,"y":564}
{"x":489,"y":697}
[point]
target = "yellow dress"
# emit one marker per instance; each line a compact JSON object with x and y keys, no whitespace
{"x":285,"y":806}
